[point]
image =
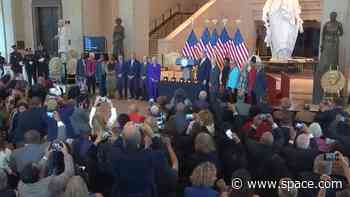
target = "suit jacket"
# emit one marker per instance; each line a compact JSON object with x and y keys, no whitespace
{"x":121,"y":69}
{"x":260,"y":85}
{"x":80,"y":72}
{"x":134,"y":69}
{"x":214,"y":78}
{"x":203,"y":70}
{"x":30,"y":153}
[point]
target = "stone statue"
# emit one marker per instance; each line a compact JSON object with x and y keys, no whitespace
{"x":118,"y":38}
{"x":331,"y":33}
{"x":63,"y":37}
{"x":283,"y":23}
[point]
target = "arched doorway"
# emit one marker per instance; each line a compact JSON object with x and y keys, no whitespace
{"x":46,"y":14}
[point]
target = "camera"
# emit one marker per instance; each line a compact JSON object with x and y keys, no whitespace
{"x":189,"y":116}
{"x":263,"y":116}
{"x":56,"y":146}
{"x":299,"y":126}
{"x":49,"y":114}
{"x":103,"y":99}
{"x":330,"y":156}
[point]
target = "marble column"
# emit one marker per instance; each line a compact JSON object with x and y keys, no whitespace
{"x":342,"y":7}
{"x":135,"y":16}
{"x":7,"y":36}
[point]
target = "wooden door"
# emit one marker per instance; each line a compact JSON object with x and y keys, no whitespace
{"x":47,"y":28}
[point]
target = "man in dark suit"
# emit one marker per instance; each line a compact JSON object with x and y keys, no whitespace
{"x":15,"y":60}
{"x":42,"y":61}
{"x":214,"y":81}
{"x":31,"y":67}
{"x":134,"y":68}
{"x":204,"y":66}
{"x":121,"y":71}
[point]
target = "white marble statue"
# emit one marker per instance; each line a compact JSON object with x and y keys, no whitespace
{"x":282,"y":21}
{"x":63,"y":37}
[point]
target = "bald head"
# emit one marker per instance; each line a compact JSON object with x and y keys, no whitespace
{"x":131,"y":136}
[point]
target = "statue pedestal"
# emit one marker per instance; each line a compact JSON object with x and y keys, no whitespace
{"x":342,"y":7}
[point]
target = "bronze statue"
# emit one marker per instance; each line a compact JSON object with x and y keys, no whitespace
{"x":331,"y":33}
{"x":118,"y":38}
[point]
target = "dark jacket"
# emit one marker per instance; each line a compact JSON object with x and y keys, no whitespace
{"x":32,"y":119}
{"x":80,"y":72}
{"x":203,"y":70}
{"x":214,"y":79}
{"x":225,"y":74}
{"x":135,"y":69}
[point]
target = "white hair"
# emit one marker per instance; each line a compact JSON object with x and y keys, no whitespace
{"x":303,"y":141}
{"x":315,"y":129}
{"x":202,"y":95}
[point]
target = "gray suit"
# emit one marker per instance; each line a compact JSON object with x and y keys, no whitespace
{"x":26,"y":155}
{"x":214,"y":82}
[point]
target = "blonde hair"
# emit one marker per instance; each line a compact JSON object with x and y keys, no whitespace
{"x":204,"y":175}
{"x":206,"y":118}
{"x":204,"y":143}
{"x":76,"y":187}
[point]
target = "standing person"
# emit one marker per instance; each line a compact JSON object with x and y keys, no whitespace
{"x":233,"y":79}
{"x":101,"y":74}
{"x":90,"y":73}
{"x":30,"y":66}
{"x":226,"y":72}
{"x":134,"y":68}
{"x":260,"y":86}
{"x":203,"y":71}
{"x":80,"y":74}
{"x":214,"y":81}
{"x":42,"y":59}
{"x":251,"y":80}
{"x":243,"y":79}
{"x":143,"y":79}
{"x":121,"y":72}
{"x":16,"y":60}
{"x":153,"y":77}
{"x":111,"y":78}
{"x":2,"y":65}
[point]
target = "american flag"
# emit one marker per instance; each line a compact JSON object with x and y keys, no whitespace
{"x":241,"y":52}
{"x":191,"y":49}
{"x":203,"y":45}
{"x":225,"y":43}
{"x":214,"y":47}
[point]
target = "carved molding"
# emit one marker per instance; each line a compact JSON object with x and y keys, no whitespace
{"x":311,"y":9}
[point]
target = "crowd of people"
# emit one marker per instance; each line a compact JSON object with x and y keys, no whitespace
{"x":67,"y":145}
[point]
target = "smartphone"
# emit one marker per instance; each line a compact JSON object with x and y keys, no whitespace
{"x":299,"y":126}
{"x":229,"y":134}
{"x":189,"y":116}
{"x":49,"y":114}
{"x":330,"y":156}
{"x":103,"y":99}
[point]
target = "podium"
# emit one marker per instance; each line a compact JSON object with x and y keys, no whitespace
{"x":186,"y":67}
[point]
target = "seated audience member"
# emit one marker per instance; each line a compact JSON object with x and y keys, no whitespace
{"x":206,"y":119}
{"x":317,"y":141}
{"x":135,"y":178}
{"x":32,"y":152}
{"x":245,"y":191}
{"x":134,"y":114}
{"x":203,"y":179}
{"x":201,"y":103}
{"x":283,"y":114}
{"x":287,"y":192}
{"x":242,"y":108}
{"x":32,"y":119}
{"x":121,"y":121}
{"x":264,"y":105}
{"x":76,"y":187}
{"x":204,"y":150}
{"x":305,"y":115}
{"x":33,"y":184}
{"x":5,"y":154}
{"x":4,"y":190}
{"x":179,"y":119}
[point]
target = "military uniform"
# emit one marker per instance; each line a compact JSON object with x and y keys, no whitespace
{"x":15,"y":60}
{"x":42,"y":59}
{"x":31,"y":67}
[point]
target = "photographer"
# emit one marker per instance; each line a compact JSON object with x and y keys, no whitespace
{"x":97,"y":126}
{"x":33,"y":183}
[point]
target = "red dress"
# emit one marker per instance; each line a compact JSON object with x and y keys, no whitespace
{"x":251,"y":83}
